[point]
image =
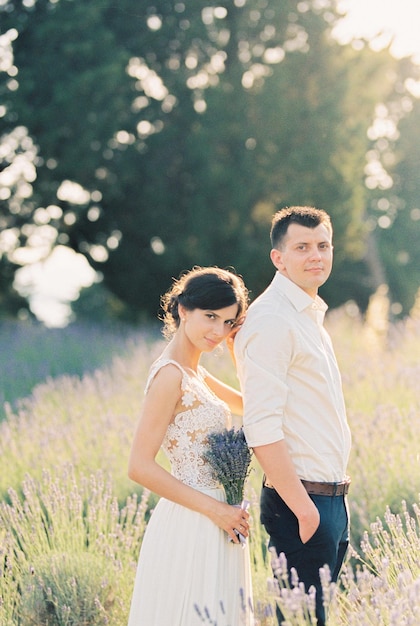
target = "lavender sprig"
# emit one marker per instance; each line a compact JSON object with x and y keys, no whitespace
{"x":229,"y":457}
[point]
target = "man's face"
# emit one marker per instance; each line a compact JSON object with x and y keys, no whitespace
{"x":305,"y":257}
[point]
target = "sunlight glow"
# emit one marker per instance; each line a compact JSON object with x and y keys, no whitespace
{"x":383,"y":22}
{"x":154,"y":22}
{"x":98,"y":252}
{"x":157,"y":245}
{"x":70,"y":191}
{"x":18,"y":154}
{"x":148,"y":81}
{"x":6,"y":52}
{"x":274,"y":55}
{"x":209,"y":14}
{"x":52,"y":284}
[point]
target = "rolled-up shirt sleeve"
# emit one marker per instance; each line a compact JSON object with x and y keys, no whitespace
{"x":263,"y":353}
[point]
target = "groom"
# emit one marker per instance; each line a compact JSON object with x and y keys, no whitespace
{"x":294,"y":413}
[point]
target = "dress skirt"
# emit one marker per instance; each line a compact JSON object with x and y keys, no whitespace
{"x":189,"y":574}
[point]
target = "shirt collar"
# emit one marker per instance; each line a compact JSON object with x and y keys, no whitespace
{"x":299,"y":298}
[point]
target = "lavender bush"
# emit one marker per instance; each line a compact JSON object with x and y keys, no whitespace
{"x":71,"y":549}
{"x":67,"y":504}
{"x":31,"y":353}
{"x":88,"y":422}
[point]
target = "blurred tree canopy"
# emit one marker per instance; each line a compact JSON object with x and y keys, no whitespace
{"x":154,"y":136}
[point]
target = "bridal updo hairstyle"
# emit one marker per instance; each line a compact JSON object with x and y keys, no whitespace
{"x":206,"y":288}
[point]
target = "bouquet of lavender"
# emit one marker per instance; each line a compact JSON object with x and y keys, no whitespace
{"x":229,"y":458}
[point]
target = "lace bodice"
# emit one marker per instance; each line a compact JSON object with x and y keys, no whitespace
{"x":185,"y":438}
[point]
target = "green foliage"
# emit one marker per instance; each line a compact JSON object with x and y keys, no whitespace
{"x":188,"y":127}
{"x":399,"y":243}
{"x":68,"y":590}
{"x":11,"y":303}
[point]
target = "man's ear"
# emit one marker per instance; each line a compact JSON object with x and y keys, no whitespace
{"x":276,"y":258}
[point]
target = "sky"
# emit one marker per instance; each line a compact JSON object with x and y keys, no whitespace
{"x":396,"y":18}
{"x":56,"y":282}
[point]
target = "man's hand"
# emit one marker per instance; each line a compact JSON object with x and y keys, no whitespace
{"x":309,"y":523}
{"x":278,"y":467}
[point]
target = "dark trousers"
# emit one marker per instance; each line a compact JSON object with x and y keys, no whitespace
{"x":328,"y":546}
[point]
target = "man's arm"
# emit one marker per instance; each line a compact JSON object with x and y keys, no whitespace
{"x":276,"y":463}
{"x":264,"y":350}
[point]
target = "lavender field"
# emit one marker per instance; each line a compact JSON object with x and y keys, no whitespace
{"x":71,"y":522}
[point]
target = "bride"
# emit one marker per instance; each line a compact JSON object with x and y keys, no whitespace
{"x":189,"y":573}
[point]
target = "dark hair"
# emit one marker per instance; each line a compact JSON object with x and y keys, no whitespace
{"x":207,"y":288}
{"x":304,"y":215}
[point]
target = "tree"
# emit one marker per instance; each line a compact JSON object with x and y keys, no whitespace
{"x":168,"y":134}
{"x":392,"y":214}
{"x":399,"y":214}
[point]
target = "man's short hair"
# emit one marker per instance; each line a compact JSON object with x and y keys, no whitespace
{"x":304,"y":215}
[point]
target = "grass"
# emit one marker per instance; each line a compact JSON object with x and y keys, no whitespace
{"x":71,"y":522}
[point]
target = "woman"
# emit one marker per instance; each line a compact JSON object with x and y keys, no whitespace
{"x":188,"y":572}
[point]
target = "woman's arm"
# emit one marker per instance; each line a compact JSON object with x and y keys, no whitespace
{"x":231,"y":396}
{"x":157,"y":412}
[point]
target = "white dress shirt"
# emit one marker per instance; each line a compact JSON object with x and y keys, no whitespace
{"x":291,"y":383}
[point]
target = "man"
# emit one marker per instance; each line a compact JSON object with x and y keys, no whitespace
{"x":294,"y":413}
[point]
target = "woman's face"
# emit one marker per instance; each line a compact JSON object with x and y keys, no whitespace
{"x":207,"y":328}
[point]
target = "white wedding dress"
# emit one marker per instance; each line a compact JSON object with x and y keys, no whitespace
{"x":188,"y":573}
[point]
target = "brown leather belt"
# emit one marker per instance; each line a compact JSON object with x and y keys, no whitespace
{"x":320,"y":489}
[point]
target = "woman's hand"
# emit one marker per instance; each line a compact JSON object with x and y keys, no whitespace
{"x":231,"y":336}
{"x":231,"y":518}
